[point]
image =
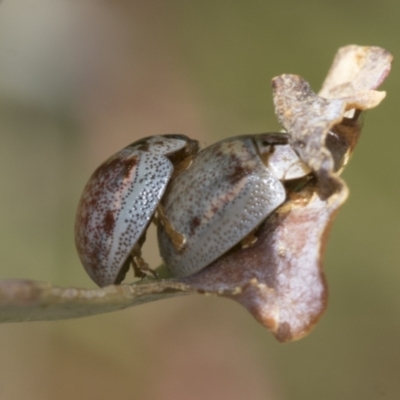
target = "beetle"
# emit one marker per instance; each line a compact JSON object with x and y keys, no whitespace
{"x":119,"y":202}
{"x":227,"y":192}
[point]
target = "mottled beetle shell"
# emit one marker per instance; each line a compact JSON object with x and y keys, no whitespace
{"x":119,"y":201}
{"x":228,"y":190}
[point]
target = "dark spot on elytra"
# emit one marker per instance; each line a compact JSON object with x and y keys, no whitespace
{"x":94,"y":257}
{"x":194,"y":223}
{"x":83,"y":220}
{"x":108,"y":222}
{"x":238,"y":174}
{"x":128,"y":165}
{"x":144,"y":147}
{"x":104,"y":168}
{"x":93,"y":201}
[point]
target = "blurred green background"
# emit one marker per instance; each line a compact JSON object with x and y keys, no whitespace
{"x":81,"y":79}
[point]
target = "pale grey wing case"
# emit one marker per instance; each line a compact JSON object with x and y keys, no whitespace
{"x":222,"y":197}
{"x":118,"y":203}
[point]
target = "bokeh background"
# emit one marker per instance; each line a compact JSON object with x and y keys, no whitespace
{"x":81,"y":79}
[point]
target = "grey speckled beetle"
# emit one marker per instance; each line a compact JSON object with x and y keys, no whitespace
{"x":225,"y":194}
{"x":118,"y":204}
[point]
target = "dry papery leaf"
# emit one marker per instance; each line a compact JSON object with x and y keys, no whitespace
{"x":279,"y":279}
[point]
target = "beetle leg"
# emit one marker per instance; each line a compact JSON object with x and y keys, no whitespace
{"x":249,"y":240}
{"x":296,"y":185}
{"x":177,"y":239}
{"x":154,"y":220}
{"x":140,"y":268}
{"x":182,"y":166}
